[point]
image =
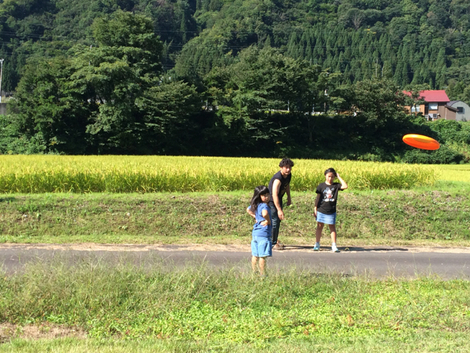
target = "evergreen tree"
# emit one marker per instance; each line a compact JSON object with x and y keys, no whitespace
{"x":405,"y":74}
{"x":387,"y":70}
{"x":398,"y":75}
{"x":441,"y":77}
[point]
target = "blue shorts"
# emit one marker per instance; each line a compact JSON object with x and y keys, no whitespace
{"x":261,"y":247}
{"x":326,"y":218}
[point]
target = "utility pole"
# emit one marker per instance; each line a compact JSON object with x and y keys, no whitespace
{"x":1,"y":76}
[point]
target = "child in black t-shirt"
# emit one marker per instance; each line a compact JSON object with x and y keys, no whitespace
{"x":325,"y":206}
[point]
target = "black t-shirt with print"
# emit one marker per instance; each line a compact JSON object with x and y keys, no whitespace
{"x":328,"y":197}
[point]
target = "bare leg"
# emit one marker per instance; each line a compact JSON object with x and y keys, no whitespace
{"x":262,"y":266}
{"x":318,"y":232}
{"x":254,"y":263}
{"x":333,"y":232}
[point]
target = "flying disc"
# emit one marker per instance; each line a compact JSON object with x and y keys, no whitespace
{"x":421,"y":141}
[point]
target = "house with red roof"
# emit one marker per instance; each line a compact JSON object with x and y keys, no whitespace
{"x":433,"y":104}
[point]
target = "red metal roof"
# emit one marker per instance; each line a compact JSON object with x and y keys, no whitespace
{"x":432,"y":96}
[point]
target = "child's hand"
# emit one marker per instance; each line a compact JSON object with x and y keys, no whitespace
{"x":264,"y":223}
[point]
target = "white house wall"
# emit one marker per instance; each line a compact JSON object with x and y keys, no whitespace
{"x":466,"y":111}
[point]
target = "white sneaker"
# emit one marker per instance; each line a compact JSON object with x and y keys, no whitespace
{"x":335,"y":249}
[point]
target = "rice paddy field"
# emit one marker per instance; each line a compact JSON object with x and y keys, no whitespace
{"x":454,"y":173}
{"x":142,"y":174}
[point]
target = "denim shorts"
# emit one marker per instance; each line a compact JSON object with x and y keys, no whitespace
{"x":326,"y":218}
{"x":261,"y":247}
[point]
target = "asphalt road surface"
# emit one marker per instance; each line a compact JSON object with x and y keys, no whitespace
{"x":376,"y":262}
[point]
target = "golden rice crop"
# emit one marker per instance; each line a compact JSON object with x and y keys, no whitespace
{"x":83,"y":174}
{"x":456,"y":172}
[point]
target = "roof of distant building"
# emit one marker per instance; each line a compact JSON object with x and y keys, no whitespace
{"x":431,"y":96}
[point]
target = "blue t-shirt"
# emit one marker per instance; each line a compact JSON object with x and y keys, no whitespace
{"x":258,"y":229}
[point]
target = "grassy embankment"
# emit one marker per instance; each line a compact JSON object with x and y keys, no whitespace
{"x":397,"y":217}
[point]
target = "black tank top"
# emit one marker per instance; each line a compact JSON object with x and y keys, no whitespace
{"x":282,"y":189}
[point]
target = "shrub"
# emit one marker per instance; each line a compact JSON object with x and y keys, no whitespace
{"x":443,"y":155}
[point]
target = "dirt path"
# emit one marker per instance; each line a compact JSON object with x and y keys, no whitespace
{"x":226,"y":248}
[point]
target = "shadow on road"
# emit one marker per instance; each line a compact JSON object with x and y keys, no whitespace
{"x":345,"y":248}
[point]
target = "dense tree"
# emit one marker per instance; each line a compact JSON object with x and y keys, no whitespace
{"x":169,"y":127}
{"x":270,"y":98}
{"x":50,"y":115}
{"x":114,"y":75}
{"x":380,"y":105}
{"x":106,"y":98}
{"x":264,"y":81}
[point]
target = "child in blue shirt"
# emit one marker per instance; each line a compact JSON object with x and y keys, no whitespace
{"x":261,"y":243}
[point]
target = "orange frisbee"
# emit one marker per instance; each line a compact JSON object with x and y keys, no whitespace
{"x":421,"y":141}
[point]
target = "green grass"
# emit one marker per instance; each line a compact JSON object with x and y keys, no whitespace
{"x":222,"y":310}
{"x":394,"y":217}
{"x":435,"y":341}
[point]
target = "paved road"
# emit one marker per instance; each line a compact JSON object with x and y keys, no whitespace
{"x":374,"y":262}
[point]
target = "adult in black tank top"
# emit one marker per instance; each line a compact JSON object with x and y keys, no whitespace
{"x":278,"y":187}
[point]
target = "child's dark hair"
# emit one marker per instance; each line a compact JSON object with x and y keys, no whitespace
{"x":256,"y":199}
{"x":330,"y":170}
{"x":286,"y":162}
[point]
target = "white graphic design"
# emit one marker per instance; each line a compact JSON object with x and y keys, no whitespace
{"x":328,"y":195}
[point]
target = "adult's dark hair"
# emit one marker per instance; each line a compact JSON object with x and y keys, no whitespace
{"x":286,"y":162}
{"x":256,"y":199}
{"x":330,"y":170}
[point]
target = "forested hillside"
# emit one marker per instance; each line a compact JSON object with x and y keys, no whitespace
{"x":212,"y":76}
{"x":411,"y":41}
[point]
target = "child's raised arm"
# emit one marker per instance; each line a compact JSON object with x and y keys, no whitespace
{"x":344,"y":185}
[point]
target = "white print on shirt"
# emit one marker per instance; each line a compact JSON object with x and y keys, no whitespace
{"x":328,"y":195}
